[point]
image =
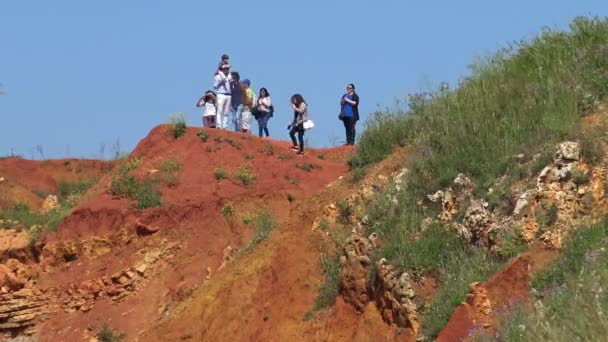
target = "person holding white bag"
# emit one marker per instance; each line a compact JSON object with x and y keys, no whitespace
{"x":300,"y":120}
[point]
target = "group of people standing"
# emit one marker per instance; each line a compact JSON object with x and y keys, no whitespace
{"x":234,"y":98}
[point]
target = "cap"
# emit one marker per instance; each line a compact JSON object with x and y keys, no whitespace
{"x":247,"y":81}
{"x":225,"y":56}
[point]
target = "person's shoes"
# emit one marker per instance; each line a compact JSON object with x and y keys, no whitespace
{"x":294,"y":148}
{"x":300,"y":153}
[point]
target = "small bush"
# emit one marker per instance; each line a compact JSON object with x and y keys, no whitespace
{"x":358,"y":174}
{"x":329,"y":290}
{"x":147,"y":194}
{"x":321,"y":156}
{"x":178,"y":120}
{"x":580,"y":178}
{"x":75,"y":188}
{"x":245,"y":174}
{"x":591,"y":146}
{"x":263,"y":224}
{"x":228,"y":211}
{"x":249,"y":156}
{"x":345,"y":211}
{"x":284,"y":156}
{"x":220,"y":173}
{"x":547,"y":218}
{"x":170,"y":165}
{"x":108,"y":335}
{"x":292,"y":180}
{"x":203,"y":135}
{"x":267,"y":149}
{"x":307,"y":166}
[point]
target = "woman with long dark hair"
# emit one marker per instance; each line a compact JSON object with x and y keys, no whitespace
{"x":300,"y":115}
{"x":349,"y":112}
{"x":264,"y":111}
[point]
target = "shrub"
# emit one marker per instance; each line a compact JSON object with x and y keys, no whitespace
{"x":170,"y":165}
{"x":267,"y":149}
{"x":345,"y":211}
{"x":330,"y":288}
{"x":580,"y":178}
{"x":547,"y":217}
{"x":228,"y":211}
{"x":284,"y":156}
{"x":75,"y":188}
{"x":147,"y":194}
{"x":307,"y":166}
{"x":245,"y":174}
{"x":203,"y":135}
{"x":292,"y":180}
{"x":108,"y":335}
{"x":178,"y":121}
{"x":220,"y":173}
{"x":321,"y":156}
{"x":263,"y":224}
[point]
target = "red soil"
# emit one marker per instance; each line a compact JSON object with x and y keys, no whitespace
{"x":284,"y":275}
{"x":23,"y":177}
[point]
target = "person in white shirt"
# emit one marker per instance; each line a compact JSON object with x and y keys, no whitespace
{"x":264,"y":112}
{"x":223,"y":87}
{"x":208,"y":102}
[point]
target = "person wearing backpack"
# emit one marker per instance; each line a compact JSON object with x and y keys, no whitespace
{"x":263,"y":111}
{"x":300,"y":115}
{"x":349,"y":113}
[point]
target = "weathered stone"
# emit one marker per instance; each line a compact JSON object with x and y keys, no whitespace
{"x":568,"y":151}
{"x":50,"y":203}
{"x":355,"y":264}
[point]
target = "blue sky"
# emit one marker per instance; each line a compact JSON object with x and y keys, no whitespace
{"x":79,"y":74}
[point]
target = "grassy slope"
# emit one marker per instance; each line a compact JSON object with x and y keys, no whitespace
{"x":523,"y":98}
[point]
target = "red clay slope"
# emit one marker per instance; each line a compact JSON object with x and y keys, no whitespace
{"x":192,"y":232}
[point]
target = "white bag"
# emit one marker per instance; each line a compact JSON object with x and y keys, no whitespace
{"x":308,"y":124}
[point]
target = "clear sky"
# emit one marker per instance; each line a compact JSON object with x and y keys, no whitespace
{"x":79,"y":74}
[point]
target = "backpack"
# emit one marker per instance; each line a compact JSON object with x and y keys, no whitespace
{"x":271,"y":108}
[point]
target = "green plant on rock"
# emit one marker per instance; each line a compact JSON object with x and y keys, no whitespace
{"x":220,"y":173}
{"x":228,"y":211}
{"x":245,"y":175}
{"x":330,"y":288}
{"x":345,"y":211}
{"x":106,"y":334}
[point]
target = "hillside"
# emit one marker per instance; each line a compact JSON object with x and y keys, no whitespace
{"x":477,"y":213}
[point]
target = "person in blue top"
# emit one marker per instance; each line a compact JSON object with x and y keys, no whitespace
{"x":349,"y":113}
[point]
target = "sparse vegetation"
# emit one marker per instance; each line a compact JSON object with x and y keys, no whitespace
{"x":571,"y":299}
{"x":106,"y":334}
{"x":263,"y":224}
{"x":307,"y":166}
{"x":245,"y":174}
{"x":292,"y":180}
{"x":580,"y":178}
{"x":267,"y":149}
{"x":220,"y":173}
{"x":178,"y":121}
{"x":283,"y":156}
{"x":203,"y":135}
{"x":345,"y":211}
{"x":330,"y":288}
{"x":547,"y":218}
{"x":145,"y":193}
{"x":249,"y":156}
{"x":229,"y":140}
{"x":321,"y":156}
{"x":228,"y":211}
{"x":75,"y":188}
{"x":170,"y":171}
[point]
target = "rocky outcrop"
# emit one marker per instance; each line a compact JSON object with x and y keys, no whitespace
{"x":50,"y":203}
{"x":396,"y":298}
{"x":21,"y":310}
{"x":354,"y":269}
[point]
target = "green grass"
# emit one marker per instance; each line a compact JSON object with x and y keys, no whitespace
{"x":504,"y":107}
{"x":526,"y":97}
{"x":345,"y":211}
{"x":330,"y":288}
{"x":203,"y":135}
{"x":170,"y":165}
{"x":292,"y":180}
{"x":228,"y":211}
{"x":267,"y":149}
{"x":245,"y":175}
{"x":75,"y":188}
{"x":106,"y":334}
{"x":308,"y":167}
{"x":219,"y":173}
{"x":571,"y":295}
{"x":263,"y":224}
{"x":178,"y":121}
{"x":125,"y":185}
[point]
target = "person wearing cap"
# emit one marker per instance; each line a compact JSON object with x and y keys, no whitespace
{"x":248,"y":101}
{"x":236,"y":101}
{"x":222,"y":84}
{"x":349,"y":113}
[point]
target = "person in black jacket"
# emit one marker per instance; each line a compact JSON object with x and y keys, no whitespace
{"x":349,"y":112}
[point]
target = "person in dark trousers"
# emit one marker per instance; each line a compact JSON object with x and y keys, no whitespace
{"x":300,"y":114}
{"x":349,"y":113}
{"x":264,"y":111}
